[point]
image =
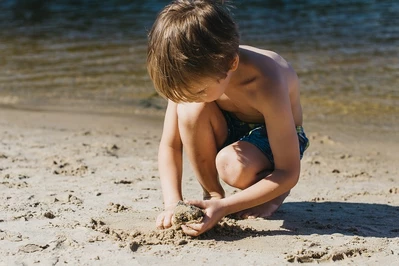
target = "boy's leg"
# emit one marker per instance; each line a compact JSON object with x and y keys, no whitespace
{"x":203,"y":129}
{"x":241,"y":165}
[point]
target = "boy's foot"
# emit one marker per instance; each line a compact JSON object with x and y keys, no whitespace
{"x":214,"y":195}
{"x":264,"y":210}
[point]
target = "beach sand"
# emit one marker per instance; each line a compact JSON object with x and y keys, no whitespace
{"x":82,"y":188}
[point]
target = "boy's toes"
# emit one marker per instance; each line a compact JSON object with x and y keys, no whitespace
{"x":249,"y":215}
{"x":265,"y":215}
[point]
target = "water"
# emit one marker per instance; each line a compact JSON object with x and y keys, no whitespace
{"x":87,"y":52}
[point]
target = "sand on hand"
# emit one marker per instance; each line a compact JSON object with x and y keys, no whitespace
{"x":185,"y":214}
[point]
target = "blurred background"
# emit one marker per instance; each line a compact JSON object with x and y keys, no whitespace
{"x":90,"y":54}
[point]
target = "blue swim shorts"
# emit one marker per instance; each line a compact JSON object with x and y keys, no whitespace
{"x":256,"y":134}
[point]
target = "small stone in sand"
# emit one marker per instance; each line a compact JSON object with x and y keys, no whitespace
{"x":49,"y":215}
{"x":186,"y":213}
{"x":134,"y":246}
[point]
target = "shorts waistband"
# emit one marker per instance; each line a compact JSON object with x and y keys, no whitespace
{"x":299,"y":129}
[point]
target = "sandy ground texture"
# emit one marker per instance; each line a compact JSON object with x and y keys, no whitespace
{"x":83,"y":189}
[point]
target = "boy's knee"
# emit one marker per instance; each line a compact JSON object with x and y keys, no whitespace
{"x":230,"y":169}
{"x":190,"y":113}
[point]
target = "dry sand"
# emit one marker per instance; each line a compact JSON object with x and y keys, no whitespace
{"x":83,"y":189}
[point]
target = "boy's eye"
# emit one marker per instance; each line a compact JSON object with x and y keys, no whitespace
{"x":201,"y":91}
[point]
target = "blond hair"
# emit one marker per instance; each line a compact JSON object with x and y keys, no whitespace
{"x":190,"y":40}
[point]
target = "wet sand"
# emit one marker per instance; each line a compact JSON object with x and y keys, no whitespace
{"x":83,"y":189}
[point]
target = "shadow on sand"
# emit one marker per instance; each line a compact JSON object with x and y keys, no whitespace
{"x":323,"y":218}
{"x":347,"y":218}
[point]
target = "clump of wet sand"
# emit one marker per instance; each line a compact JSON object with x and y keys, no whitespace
{"x":185,"y":214}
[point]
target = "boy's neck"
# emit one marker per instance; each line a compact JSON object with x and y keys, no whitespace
{"x":240,"y":74}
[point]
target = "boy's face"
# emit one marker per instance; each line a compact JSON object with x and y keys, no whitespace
{"x":210,"y":90}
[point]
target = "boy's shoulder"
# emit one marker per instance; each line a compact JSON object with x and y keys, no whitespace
{"x":257,"y":56}
{"x":264,"y":65}
{"x":258,"y":50}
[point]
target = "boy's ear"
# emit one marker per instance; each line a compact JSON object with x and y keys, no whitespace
{"x":234,"y":65}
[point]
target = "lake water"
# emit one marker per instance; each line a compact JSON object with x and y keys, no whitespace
{"x":71,"y":53}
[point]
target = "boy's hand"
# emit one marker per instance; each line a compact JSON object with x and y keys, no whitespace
{"x":164,"y":219}
{"x":214,"y":212}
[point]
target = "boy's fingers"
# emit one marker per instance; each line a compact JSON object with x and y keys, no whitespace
{"x":167,"y":222}
{"x":190,"y":231}
{"x":198,"y":203}
{"x":196,"y":227}
{"x":164,"y":221}
{"x":159,"y":221}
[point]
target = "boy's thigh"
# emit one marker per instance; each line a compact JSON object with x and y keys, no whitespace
{"x":199,"y":115}
{"x":258,"y":137}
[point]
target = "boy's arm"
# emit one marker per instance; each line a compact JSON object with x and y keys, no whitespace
{"x":170,"y":164}
{"x":274,"y":104}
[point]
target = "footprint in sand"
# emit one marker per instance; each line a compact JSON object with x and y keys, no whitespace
{"x":394,"y":190}
{"x":311,"y":256}
{"x":116,"y":207}
{"x":68,"y":167}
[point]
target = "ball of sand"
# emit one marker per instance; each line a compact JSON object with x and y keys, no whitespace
{"x":186,"y":214}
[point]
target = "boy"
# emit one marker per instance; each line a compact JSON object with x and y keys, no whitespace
{"x":235,"y":110}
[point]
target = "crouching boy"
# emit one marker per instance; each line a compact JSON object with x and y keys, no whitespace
{"x":234,"y":109}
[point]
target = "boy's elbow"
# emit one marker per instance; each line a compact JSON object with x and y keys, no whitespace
{"x":294,"y":173}
{"x":292,"y":180}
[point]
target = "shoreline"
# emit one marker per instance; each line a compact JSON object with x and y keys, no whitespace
{"x":315,"y":113}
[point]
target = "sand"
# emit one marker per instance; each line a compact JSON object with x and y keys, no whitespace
{"x":185,"y":214}
{"x":83,"y":189}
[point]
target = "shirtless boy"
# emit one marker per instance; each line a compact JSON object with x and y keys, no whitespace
{"x":234,"y":109}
